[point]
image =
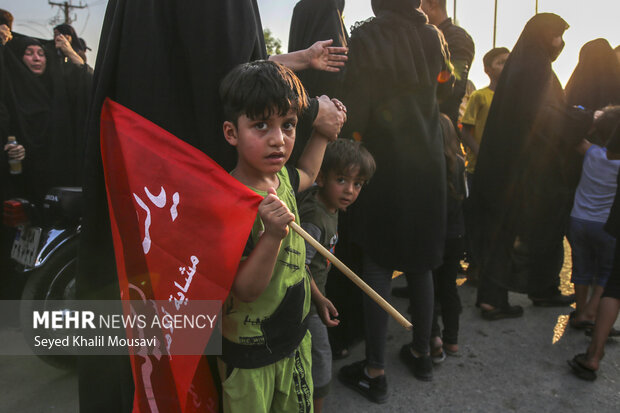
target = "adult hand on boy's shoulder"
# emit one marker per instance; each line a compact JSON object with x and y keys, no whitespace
{"x":331,"y":117}
{"x":326,"y":311}
{"x":275,"y":215}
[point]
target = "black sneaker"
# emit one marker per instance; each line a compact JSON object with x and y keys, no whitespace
{"x":421,"y":367}
{"x":354,"y":377}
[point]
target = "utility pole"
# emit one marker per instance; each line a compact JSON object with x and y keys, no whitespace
{"x":67,"y":7}
{"x":495,"y":25}
{"x":536,"y":6}
{"x":454,"y":17}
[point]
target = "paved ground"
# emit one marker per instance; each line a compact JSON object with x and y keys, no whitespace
{"x":510,"y":365}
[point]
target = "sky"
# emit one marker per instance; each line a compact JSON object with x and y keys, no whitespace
{"x":589,"y":19}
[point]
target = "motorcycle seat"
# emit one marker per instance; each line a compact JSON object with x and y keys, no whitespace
{"x":65,"y":202}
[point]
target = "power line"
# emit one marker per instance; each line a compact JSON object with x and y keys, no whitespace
{"x":66,"y":7}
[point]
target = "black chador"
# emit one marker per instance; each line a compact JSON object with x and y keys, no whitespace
{"x":163,"y":59}
{"x":595,"y":82}
{"x":525,"y":176}
{"x":390,"y":90}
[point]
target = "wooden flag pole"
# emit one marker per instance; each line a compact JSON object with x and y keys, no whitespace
{"x":352,"y":276}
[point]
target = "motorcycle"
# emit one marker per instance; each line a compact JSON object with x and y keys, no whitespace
{"x":45,"y":252}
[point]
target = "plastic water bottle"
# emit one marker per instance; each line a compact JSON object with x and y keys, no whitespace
{"x":15,"y":166}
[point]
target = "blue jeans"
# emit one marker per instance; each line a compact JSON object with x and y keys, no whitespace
{"x":592,"y":251}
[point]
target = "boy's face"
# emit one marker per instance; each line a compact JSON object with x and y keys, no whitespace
{"x":263,"y":145}
{"x":339,"y":191}
{"x":495,"y":70}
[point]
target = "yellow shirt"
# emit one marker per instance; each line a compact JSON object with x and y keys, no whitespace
{"x":476,"y":116}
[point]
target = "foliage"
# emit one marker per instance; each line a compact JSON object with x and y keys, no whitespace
{"x":273,"y":44}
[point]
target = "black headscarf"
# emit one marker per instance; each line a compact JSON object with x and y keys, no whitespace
{"x":163,"y":59}
{"x":527,"y":167}
{"x":396,"y":23}
{"x":390,"y":90}
{"x":404,"y":7}
{"x":595,"y":82}
{"x":21,"y":43}
{"x":68,"y":30}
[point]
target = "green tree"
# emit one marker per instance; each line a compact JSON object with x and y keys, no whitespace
{"x":273,"y":44}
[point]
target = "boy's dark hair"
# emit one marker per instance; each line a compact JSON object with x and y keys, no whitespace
{"x":344,"y":155}
{"x":492,"y":54}
{"x":605,"y":126}
{"x":6,"y":18}
{"x":617,"y":48}
{"x":260,"y":89}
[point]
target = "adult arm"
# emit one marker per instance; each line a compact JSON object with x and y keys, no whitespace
{"x":326,"y":127}
{"x":462,"y":50}
{"x":319,"y":56}
{"x":64,"y":46}
{"x":446,"y":78}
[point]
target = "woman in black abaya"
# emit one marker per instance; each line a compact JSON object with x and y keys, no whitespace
{"x":595,"y":82}
{"x":46,"y":105}
{"x":525,"y":177}
{"x":188,"y":47}
{"x":399,"y":220}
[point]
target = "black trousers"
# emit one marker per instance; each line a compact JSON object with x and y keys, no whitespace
{"x":446,"y":293}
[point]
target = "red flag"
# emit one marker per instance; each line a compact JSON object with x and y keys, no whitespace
{"x":172,"y":209}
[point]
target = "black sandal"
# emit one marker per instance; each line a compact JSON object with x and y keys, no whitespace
{"x":579,"y":370}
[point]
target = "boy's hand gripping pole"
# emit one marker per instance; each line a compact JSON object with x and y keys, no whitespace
{"x":352,"y":276}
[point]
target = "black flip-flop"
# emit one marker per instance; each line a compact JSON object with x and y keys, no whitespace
{"x":581,"y":371}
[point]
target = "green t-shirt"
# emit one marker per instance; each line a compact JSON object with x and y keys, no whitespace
{"x":323,"y":226}
{"x":241,"y":321}
{"x":476,"y":115}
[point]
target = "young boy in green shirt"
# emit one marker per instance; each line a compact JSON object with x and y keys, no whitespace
{"x":346,"y":167}
{"x":265,"y":365}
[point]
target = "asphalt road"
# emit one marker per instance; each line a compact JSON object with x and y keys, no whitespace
{"x":516,"y":365}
